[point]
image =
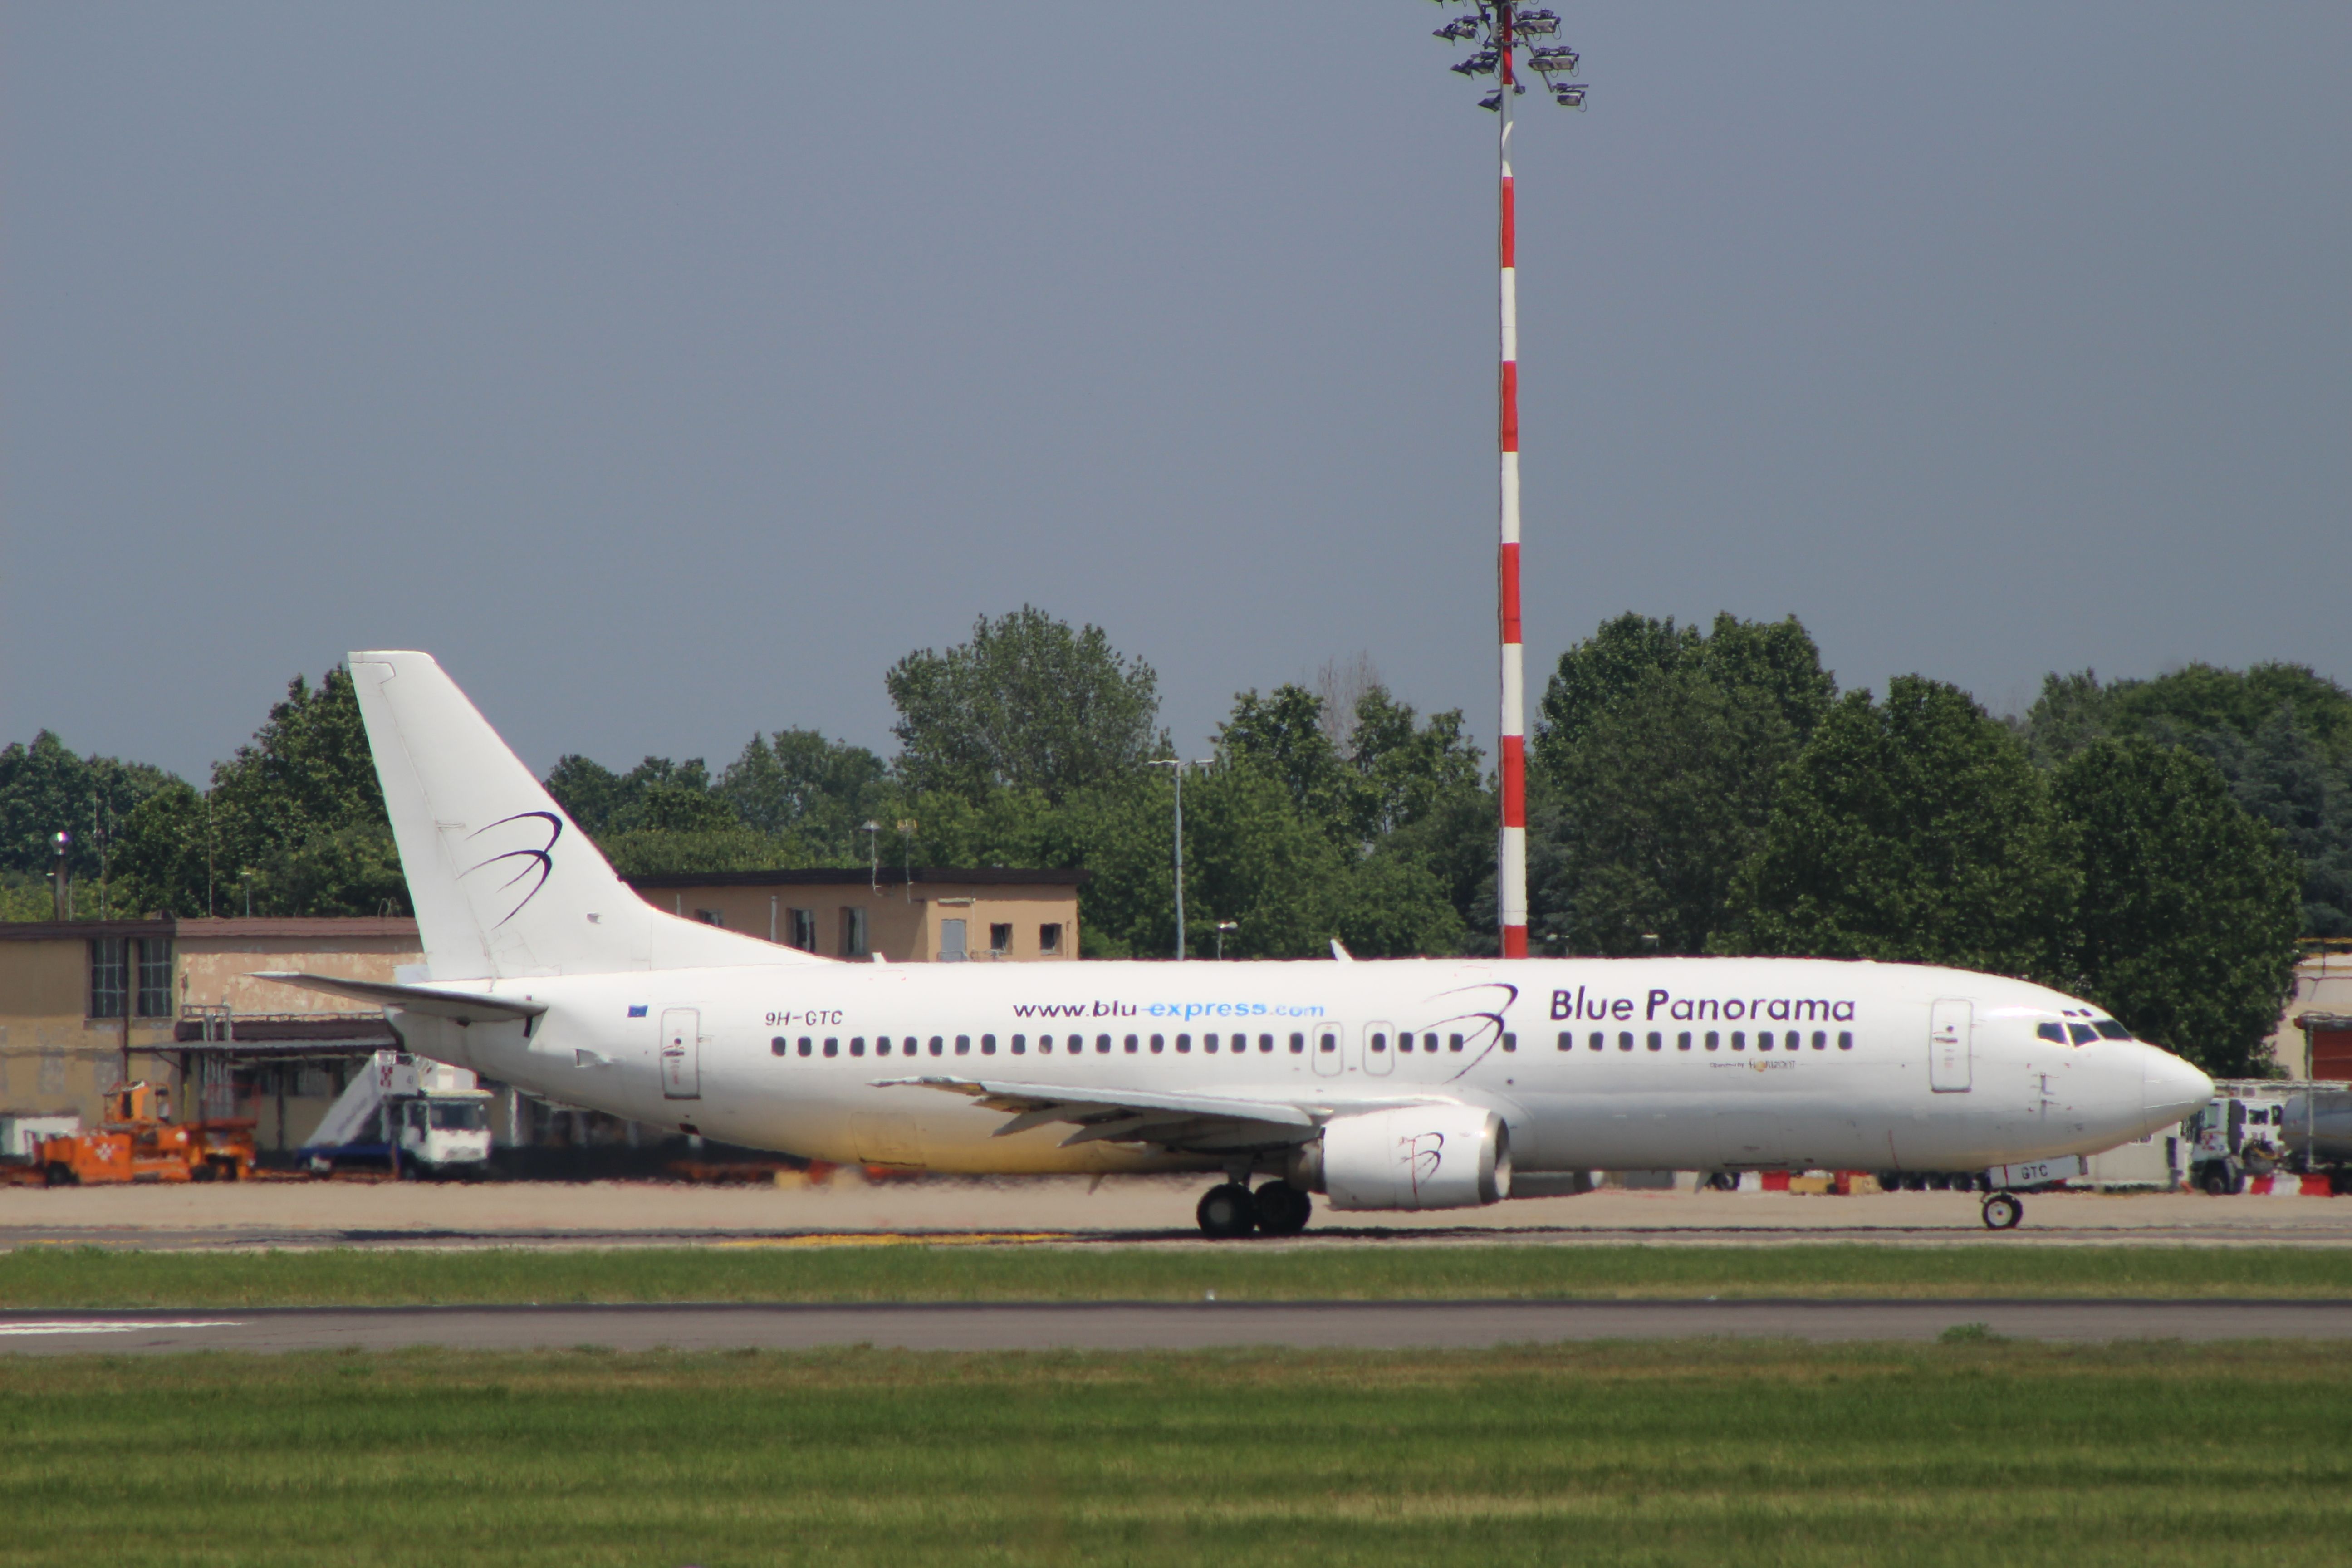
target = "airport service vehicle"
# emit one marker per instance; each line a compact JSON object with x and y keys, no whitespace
{"x":1412,"y":1084}
{"x":2259,"y":1127}
{"x":417,"y":1118}
{"x":21,"y":1133}
{"x":138,"y":1142}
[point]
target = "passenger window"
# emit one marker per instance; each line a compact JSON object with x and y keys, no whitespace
{"x":1681,"y":1041}
{"x":1845,"y":1040}
{"x":1713,"y":1039}
{"x":937,"y":1045}
{"x":1821,"y":1040}
{"x":1738,"y":1041}
{"x":1624,"y":1039}
{"x":1327,"y":1042}
{"x":1764,"y":1040}
{"x":1511,"y":1041}
{"x":963,"y":1045}
{"x":1159,"y":1043}
{"x":1102,"y":1045}
{"x":1379,"y":1043}
{"x":831,"y":1045}
{"x":1567,"y":1040}
{"x":857,"y":1045}
{"x":1132,"y":1041}
{"x":1209,"y":1044}
{"x":777,"y":1045}
{"x":807,"y":1045}
{"x":1020,"y":1045}
{"x":1452,"y":1042}
{"x":1045,"y":1045}
{"x":1297,"y":1045}
{"x":1595,"y":1040}
{"x":2052,"y":1032}
{"x":1264,"y":1044}
{"x":1184,"y":1045}
{"x":988,"y":1045}
{"x":1658,"y":1040}
{"x":1404,"y":1041}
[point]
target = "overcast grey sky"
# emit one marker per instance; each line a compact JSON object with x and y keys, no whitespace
{"x":669,"y":371}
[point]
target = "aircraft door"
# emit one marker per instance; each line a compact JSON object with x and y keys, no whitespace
{"x":1949,"y":1025}
{"x":1326,"y":1048}
{"x":1380,"y":1047}
{"x":682,"y":1053}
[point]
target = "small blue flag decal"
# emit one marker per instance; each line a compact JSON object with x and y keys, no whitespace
{"x":638,"y":1011}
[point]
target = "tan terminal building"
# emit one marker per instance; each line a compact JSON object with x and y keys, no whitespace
{"x":174,"y":1001}
{"x":925,"y":916}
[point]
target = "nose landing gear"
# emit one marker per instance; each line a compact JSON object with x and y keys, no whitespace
{"x":2003,"y":1211}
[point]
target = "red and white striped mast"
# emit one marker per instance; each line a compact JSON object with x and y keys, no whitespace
{"x":1501,"y":28}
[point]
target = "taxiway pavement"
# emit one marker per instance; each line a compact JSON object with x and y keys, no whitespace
{"x":1128,"y":1326}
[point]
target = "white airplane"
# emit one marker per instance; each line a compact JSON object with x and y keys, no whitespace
{"x":1412,"y":1084}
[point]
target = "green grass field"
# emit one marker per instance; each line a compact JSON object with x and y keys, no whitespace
{"x":48,"y":1278}
{"x":1655,"y":1453}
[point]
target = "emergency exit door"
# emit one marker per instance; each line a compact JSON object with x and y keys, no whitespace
{"x":1949,"y":1025}
{"x":682,"y":1053}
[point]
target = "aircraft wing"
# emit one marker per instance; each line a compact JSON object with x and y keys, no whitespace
{"x":465,"y":1007}
{"x":1192,"y":1122}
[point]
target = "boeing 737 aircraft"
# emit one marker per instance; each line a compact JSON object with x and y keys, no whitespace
{"x":1409,"y":1084}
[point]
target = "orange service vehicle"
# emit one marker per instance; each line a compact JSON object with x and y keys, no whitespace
{"x":140,"y":1142}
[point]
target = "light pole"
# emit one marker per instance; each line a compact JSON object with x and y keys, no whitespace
{"x":1176,"y":766}
{"x":1501,"y":29}
{"x":1223,"y":927}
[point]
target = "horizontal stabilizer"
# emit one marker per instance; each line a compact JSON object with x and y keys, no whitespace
{"x":465,"y":1007}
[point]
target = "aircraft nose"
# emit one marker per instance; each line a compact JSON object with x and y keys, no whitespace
{"x":2169,"y":1087}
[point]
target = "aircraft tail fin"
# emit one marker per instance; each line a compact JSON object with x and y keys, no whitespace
{"x":503,"y":881}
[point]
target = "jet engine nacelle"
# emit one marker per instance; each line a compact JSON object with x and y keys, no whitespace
{"x":1426,"y":1157}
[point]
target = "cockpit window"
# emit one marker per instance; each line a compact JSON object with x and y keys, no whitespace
{"x":2109,"y":1029}
{"x":2052,"y":1032}
{"x":2083,"y":1034}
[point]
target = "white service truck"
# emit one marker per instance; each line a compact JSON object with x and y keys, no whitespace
{"x":416,"y":1116}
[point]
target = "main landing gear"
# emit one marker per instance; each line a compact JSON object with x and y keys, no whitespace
{"x":1278,"y":1208}
{"x":2003,"y":1211}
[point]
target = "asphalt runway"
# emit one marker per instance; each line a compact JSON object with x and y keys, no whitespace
{"x":1130,"y":1326}
{"x":1053,"y":1211}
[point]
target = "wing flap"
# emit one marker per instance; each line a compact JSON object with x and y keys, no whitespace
{"x":1130,"y":1116}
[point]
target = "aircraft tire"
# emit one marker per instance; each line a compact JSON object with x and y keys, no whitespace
{"x":2003,"y":1211}
{"x":1282,"y":1209}
{"x":1227,"y":1212}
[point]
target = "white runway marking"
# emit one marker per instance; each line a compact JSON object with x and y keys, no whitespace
{"x":88,"y":1327}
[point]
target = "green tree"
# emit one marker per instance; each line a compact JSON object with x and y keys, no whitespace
{"x":2187,"y":912}
{"x":46,"y":789}
{"x":294,"y":823}
{"x":2281,"y":735}
{"x":798,"y":784}
{"x":1916,"y":830}
{"x":1655,"y":767}
{"x":1028,"y":703}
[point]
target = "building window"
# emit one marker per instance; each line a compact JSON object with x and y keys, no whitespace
{"x":1000,"y":939}
{"x":711,"y":918}
{"x":800,"y":929}
{"x":155,"y":977}
{"x":853,"y":933}
{"x":108,"y":976}
{"x":1049,"y":938}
